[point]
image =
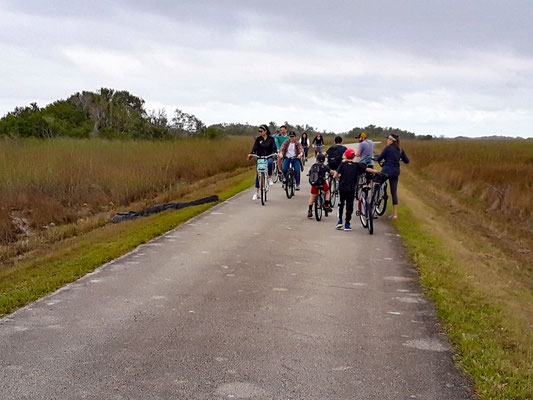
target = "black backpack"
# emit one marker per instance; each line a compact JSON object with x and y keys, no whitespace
{"x":316,"y":175}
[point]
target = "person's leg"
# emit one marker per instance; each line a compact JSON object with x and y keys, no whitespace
{"x":349,"y":206}
{"x":342,"y":200}
{"x":296,"y":164}
{"x":285,"y":167}
{"x":393,"y":181}
{"x":270,"y":167}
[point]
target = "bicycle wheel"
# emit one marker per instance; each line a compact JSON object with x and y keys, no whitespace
{"x":318,"y":206}
{"x":333,"y":192}
{"x":358,"y":187}
{"x":289,"y":184}
{"x":370,"y":217}
{"x":382,"y":197}
{"x":262,"y":188}
{"x":361,"y":209}
{"x":275,"y":172}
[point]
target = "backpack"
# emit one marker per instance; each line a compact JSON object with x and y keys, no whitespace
{"x":316,"y":175}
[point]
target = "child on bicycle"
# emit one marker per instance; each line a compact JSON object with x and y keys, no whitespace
{"x":317,"y":178}
{"x":348,"y":171}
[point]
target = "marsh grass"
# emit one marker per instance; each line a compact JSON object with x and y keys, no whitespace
{"x":59,"y":182}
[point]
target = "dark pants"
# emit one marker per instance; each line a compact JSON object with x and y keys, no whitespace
{"x":306,"y":151}
{"x":393,"y":181}
{"x":346,"y":198}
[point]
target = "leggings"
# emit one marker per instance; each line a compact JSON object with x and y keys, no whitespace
{"x":393,"y":180}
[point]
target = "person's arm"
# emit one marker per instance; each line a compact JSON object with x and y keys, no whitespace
{"x":254,"y":147}
{"x":300,"y":149}
{"x":359,"y":150}
{"x":404,"y":157}
{"x":383,"y":154}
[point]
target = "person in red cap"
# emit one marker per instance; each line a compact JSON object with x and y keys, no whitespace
{"x":348,"y":172}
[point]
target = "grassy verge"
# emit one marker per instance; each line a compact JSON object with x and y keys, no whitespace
{"x":68,"y":260}
{"x":482,"y":297}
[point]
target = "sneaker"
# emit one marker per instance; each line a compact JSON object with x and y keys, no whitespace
{"x":327,"y":208}
{"x":255,"y":196}
{"x":393,"y":217}
{"x":270,"y":182}
{"x":339,"y":224}
{"x":309,"y":214}
{"x":297,"y":187}
{"x":347,"y":227}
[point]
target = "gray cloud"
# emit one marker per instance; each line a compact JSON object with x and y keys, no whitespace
{"x":430,"y":67}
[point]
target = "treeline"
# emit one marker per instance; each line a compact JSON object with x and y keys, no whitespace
{"x":107,"y":113}
{"x":373,"y":131}
{"x":110,"y":113}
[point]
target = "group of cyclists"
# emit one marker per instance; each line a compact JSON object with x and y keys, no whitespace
{"x":338,"y":160}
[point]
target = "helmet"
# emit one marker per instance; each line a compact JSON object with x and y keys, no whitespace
{"x":321,"y":157}
{"x":350,"y":153}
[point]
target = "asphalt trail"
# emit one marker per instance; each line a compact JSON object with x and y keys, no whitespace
{"x":243,"y":302}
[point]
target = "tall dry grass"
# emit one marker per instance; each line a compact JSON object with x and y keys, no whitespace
{"x":60,"y":181}
{"x":495,"y":175}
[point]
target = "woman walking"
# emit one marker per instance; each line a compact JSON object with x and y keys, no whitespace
{"x":392,"y":154}
{"x":264,"y":146}
{"x":304,"y":141}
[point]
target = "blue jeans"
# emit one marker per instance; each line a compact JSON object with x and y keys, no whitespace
{"x":269,"y":173}
{"x":295,"y":164}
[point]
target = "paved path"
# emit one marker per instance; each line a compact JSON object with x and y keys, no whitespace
{"x":243,"y":302}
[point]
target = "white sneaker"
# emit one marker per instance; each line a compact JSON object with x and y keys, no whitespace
{"x":255,"y":196}
{"x":270,"y":182}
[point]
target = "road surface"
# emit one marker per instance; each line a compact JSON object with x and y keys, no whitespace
{"x":243,"y":302}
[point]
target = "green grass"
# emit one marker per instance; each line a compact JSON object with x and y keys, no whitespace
{"x":69,"y":260}
{"x":492,"y":347}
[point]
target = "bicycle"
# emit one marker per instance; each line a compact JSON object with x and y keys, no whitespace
{"x":276,"y":173}
{"x":364,"y":205}
{"x":380,"y":196}
{"x":319,"y":203}
{"x":262,"y":172}
{"x":290,"y":179}
{"x":334,"y":189}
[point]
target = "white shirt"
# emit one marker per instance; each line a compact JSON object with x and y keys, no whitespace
{"x":291,"y":150}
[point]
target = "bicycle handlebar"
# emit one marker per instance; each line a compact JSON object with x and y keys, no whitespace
{"x":264,"y":157}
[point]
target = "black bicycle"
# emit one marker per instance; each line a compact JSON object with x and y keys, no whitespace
{"x":320,"y":199}
{"x":379,"y":194}
{"x":290,"y":178}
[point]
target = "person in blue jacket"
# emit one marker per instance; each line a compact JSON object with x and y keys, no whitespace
{"x":393,"y":154}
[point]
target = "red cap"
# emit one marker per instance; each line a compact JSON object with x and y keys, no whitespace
{"x":350,"y":153}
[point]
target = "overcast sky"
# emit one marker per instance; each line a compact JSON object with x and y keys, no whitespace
{"x":432,"y":67}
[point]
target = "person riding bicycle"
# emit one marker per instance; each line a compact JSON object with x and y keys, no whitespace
{"x":393,"y":154}
{"x":348,"y":172}
{"x":292,"y":152}
{"x":280,"y":139}
{"x":335,"y":153}
{"x":366,"y":150}
{"x":318,"y":179}
{"x":263,"y":146}
{"x":318,"y":143}
{"x":304,"y":141}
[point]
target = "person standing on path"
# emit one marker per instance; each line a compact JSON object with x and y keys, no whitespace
{"x":335,"y":153}
{"x":263,"y":146}
{"x":348,"y":171}
{"x":393,"y":154}
{"x":318,"y":143}
{"x":365,"y":150}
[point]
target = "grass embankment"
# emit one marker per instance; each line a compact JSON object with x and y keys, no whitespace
{"x":55,"y":189}
{"x":59,"y":196}
{"x":465,"y":217}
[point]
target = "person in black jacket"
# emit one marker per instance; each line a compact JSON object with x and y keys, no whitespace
{"x":318,"y":143}
{"x":335,"y":153}
{"x":264,"y":145}
{"x":393,"y":154}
